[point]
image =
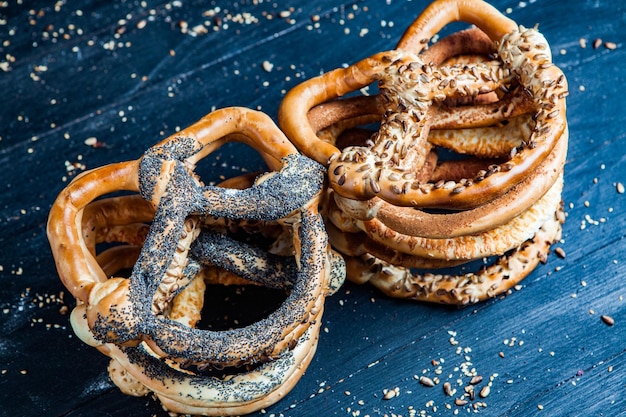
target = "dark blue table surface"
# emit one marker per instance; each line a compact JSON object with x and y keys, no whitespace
{"x":130,"y":73}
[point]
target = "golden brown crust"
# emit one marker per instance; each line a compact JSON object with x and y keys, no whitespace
{"x":441,"y":12}
{"x":490,"y":94}
{"x":496,"y":212}
{"x":463,"y":288}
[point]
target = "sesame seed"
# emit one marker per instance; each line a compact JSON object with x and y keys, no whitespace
{"x":388,"y":394}
{"x":91,"y":141}
{"x":476,"y":380}
{"x":426,"y":381}
{"x":267,"y":66}
{"x":560,"y":253}
{"x":620,"y":188}
{"x":460,"y":402}
{"x":608,"y":320}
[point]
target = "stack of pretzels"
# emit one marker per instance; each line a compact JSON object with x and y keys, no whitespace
{"x":465,"y":163}
{"x":177,"y":235}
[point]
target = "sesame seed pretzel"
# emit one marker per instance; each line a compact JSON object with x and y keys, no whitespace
{"x":460,"y":288}
{"x":331,"y":119}
{"x":412,"y":91}
{"x":490,"y":93}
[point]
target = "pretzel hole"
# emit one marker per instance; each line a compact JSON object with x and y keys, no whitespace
{"x":234,"y":306}
{"x":230,"y":160}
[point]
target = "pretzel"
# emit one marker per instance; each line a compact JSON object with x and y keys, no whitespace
{"x":461,"y":288}
{"x":133,"y":369}
{"x":152,"y":314}
{"x":489,"y":93}
{"x":411,"y":89}
{"x":496,"y":212}
{"x":495,"y":241}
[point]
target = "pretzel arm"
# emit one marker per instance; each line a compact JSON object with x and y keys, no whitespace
{"x":459,"y":289}
{"x":118,"y":258}
{"x":75,"y":264}
{"x":294,"y":109}
{"x":101,"y":217}
{"x":495,"y":141}
{"x":246,"y":261}
{"x":441,"y":12}
{"x":359,"y":244}
{"x":492,"y":242}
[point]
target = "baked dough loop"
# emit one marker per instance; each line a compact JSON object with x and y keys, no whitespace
{"x":175,"y":235}
{"x":469,"y":147}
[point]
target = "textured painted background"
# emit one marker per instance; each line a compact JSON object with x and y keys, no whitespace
{"x":89,"y":83}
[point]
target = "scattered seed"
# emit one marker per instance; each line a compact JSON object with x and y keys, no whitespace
{"x":582,"y":42}
{"x":267,"y":66}
{"x":447,"y":389}
{"x":608,"y":320}
{"x":610,"y":45}
{"x":476,"y":380}
{"x":460,"y":402}
{"x":540,"y":407}
{"x":560,"y":253}
{"x":596,"y":43}
{"x":389,"y":394}
{"x":620,"y":188}
{"x":484,"y":392}
{"x":426,"y":381}
{"x":91,"y":141}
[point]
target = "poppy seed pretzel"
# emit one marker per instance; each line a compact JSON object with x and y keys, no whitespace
{"x":152,"y":314}
{"x":138,"y":372}
{"x":182,"y":196}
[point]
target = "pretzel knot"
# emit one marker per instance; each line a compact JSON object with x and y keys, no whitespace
{"x":472,"y":139}
{"x":177,"y":234}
